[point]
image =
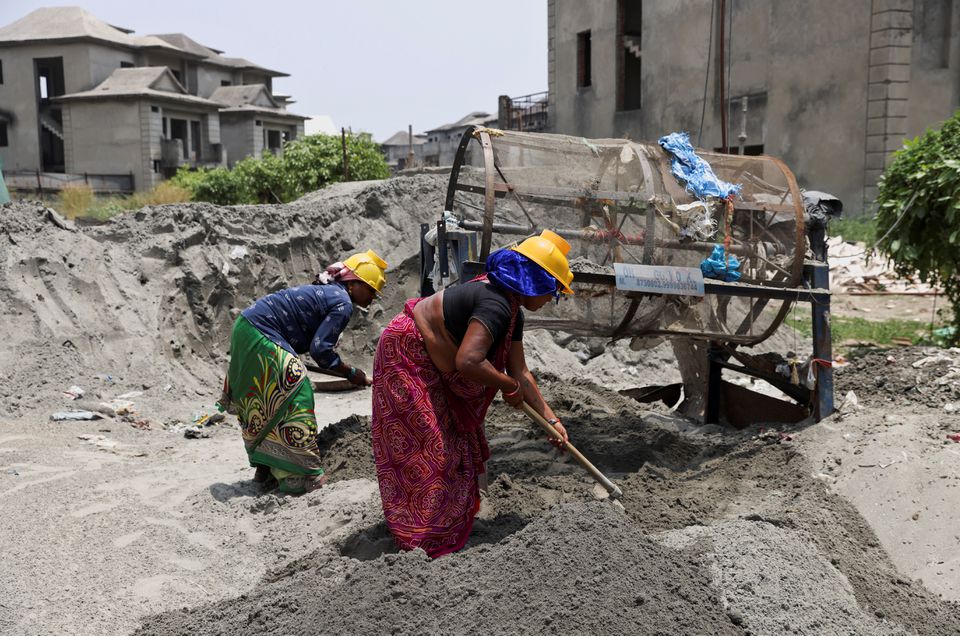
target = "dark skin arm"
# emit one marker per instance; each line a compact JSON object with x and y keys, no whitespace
{"x":517,"y":368}
{"x":472,"y":362}
{"x":359,"y":378}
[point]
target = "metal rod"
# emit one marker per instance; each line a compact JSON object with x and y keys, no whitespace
{"x":343,"y":146}
{"x":722,"y":76}
{"x":742,"y":137}
{"x":714,"y":383}
{"x":442,"y":248}
{"x":598,"y":237}
{"x":822,"y":345}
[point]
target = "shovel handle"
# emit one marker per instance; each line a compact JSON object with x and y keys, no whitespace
{"x":613,"y":489}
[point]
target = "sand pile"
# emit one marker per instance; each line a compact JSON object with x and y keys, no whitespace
{"x":146,"y":301}
{"x":780,"y":552}
{"x":581,"y":568}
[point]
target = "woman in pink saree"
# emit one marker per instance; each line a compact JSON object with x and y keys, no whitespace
{"x":438,"y":366}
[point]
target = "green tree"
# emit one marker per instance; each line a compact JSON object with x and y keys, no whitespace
{"x":307,"y":164}
{"x":918,"y":214}
{"x":264,"y":180}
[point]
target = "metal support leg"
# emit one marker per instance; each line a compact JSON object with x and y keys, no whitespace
{"x":822,"y":345}
{"x":714,"y":379}
{"x":427,"y":255}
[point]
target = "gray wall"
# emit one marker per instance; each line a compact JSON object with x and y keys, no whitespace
{"x":441,"y":147}
{"x":239,"y":136}
{"x":104,"y":137}
{"x":209,"y":78}
{"x":935,"y":64}
{"x":805,"y":67}
{"x":104,"y":61}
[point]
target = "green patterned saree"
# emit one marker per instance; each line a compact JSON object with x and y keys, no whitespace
{"x":268,"y":389}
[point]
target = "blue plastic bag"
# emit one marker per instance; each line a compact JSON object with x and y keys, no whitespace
{"x":692,"y":171}
{"x":719,"y":267}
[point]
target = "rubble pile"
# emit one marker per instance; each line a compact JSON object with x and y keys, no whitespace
{"x":856,"y":268}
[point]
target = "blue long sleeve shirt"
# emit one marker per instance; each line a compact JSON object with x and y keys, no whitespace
{"x":306,"y":318}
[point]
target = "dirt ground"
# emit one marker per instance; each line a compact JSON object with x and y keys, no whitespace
{"x":127,"y":525}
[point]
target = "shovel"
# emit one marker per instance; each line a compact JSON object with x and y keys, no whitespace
{"x":612,"y":489}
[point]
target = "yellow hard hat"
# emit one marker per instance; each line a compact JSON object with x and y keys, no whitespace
{"x":549,"y":251}
{"x":369,"y":267}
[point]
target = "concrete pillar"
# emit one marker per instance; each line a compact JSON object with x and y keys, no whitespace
{"x":891,"y":43}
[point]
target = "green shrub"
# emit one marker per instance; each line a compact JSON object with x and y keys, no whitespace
{"x":220,"y":186}
{"x":918,"y":213}
{"x":187,"y":178}
{"x":263,"y":180}
{"x":365,"y":159}
{"x":307,"y":164}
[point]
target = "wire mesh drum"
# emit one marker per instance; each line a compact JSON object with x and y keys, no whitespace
{"x":617,"y":201}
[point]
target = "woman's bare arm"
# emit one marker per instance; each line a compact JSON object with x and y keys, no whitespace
{"x":517,"y":368}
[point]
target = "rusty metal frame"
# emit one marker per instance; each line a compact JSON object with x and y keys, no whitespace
{"x":785,"y":288}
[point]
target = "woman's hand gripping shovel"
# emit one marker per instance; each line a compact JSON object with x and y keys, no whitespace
{"x":613,"y":491}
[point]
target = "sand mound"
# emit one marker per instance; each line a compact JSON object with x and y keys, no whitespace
{"x":732,"y":526}
{"x":581,"y":568}
{"x":776,"y":582}
{"x":148,"y":299}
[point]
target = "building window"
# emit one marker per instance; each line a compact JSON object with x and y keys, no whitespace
{"x":629,"y":29}
{"x":226,"y":83}
{"x":1,"y":71}
{"x":583,"y":59}
{"x":274,"y":140}
{"x":155,"y":109}
{"x":156,"y":165}
{"x":3,"y":135}
{"x":126,"y":64}
{"x":258,"y":123}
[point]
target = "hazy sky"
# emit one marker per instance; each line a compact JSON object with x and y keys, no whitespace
{"x":374,"y":65}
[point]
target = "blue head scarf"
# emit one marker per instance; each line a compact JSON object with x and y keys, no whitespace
{"x":515,"y":272}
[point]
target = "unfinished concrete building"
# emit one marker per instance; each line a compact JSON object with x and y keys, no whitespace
{"x":142,"y":119}
{"x":252,"y":120}
{"x":81,"y":97}
{"x":831,"y":87}
{"x":442,"y":141}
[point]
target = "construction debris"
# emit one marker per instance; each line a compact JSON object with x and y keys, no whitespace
{"x":854,"y":269}
{"x":61,"y":416}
